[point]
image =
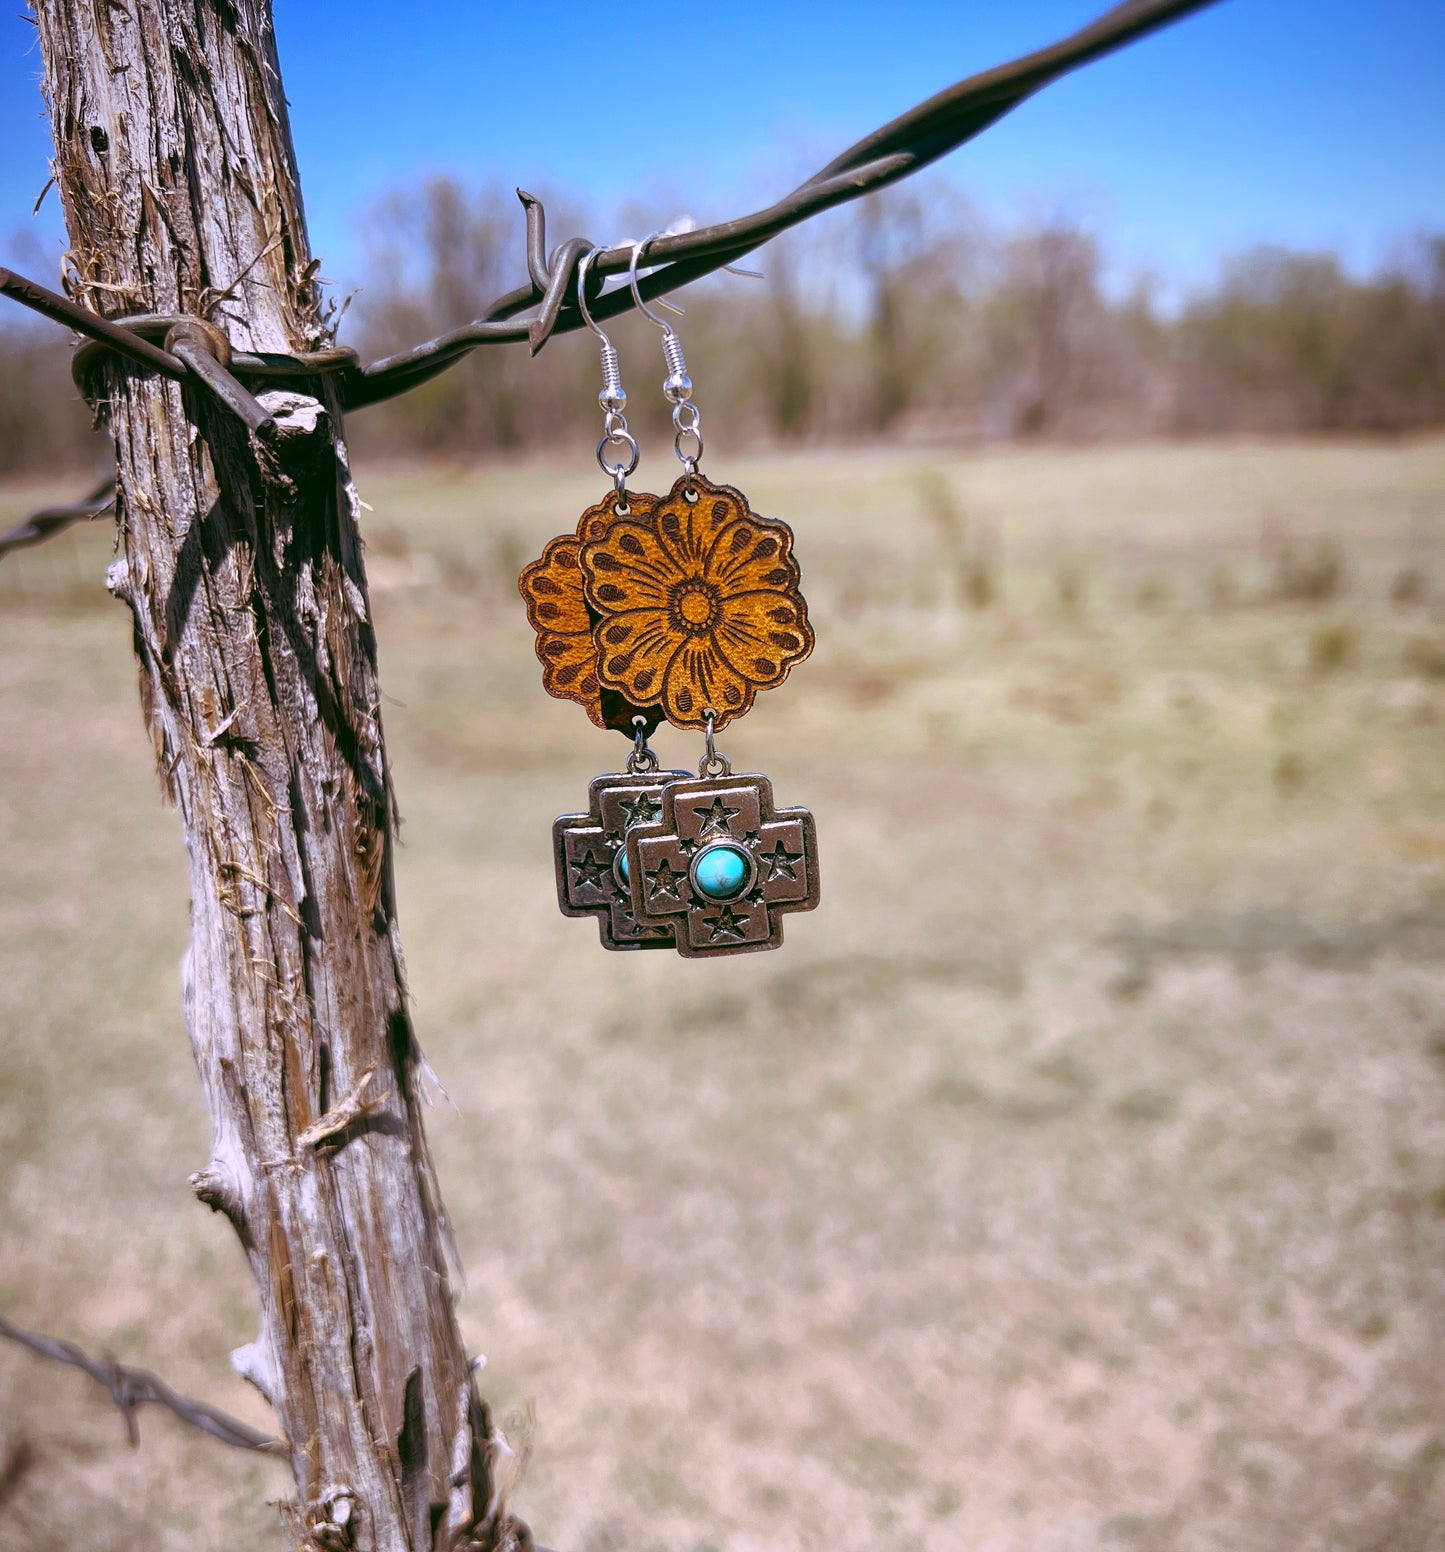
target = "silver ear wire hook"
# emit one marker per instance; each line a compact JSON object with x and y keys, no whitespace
{"x":613,"y":397}
{"x":677,"y":386}
{"x":638,"y":249}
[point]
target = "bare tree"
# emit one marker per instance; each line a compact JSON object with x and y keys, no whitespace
{"x":788,"y":373}
{"x":1048,"y":315}
{"x":1289,"y":341}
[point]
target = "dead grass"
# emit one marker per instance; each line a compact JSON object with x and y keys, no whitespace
{"x":1072,"y":1179}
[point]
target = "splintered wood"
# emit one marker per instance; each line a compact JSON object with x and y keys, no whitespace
{"x":259,"y":688}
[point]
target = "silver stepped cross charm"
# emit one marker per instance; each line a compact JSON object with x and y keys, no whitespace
{"x":591,"y":858}
{"x":720,"y":866}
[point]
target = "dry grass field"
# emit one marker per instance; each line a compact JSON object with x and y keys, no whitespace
{"x":1074,"y":1178}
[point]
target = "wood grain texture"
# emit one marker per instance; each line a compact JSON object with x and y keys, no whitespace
{"x":258,"y":681}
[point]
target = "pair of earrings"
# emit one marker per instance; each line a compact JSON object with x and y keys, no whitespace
{"x":680,"y":607}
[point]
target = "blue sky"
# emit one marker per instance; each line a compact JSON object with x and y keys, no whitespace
{"x":1307,"y":122}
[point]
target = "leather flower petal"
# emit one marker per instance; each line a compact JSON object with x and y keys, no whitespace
{"x":749,"y":556}
{"x":700,"y":676}
{"x":635,"y":648}
{"x":628,"y":568}
{"x":763,"y":636}
{"x":688,"y":529}
{"x":553,"y":588}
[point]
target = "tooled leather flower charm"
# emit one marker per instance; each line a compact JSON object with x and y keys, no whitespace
{"x":697,"y":602}
{"x":557,"y":608}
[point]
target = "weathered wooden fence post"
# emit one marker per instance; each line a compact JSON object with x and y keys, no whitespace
{"x":241,"y":566}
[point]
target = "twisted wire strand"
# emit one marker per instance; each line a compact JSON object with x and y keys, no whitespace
{"x":906,"y":145}
{"x":909,"y":143}
{"x":48,"y":521}
{"x":131,"y":1388}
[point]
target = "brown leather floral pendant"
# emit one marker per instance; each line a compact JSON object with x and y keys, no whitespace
{"x":682,"y":607}
{"x":698,"y":604}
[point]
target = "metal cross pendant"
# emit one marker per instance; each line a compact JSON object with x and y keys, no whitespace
{"x":721,"y":866}
{"x":592,"y":863}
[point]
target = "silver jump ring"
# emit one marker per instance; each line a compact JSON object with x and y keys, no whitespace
{"x":686,"y":422}
{"x":712,"y":763}
{"x":689,"y":461}
{"x":619,"y":470}
{"x":643,"y":758}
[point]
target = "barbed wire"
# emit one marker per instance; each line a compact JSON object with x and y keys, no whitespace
{"x":904,"y":146}
{"x":132,"y":1388}
{"x":910,"y":142}
{"x":193,"y":349}
{"x":41,"y":525}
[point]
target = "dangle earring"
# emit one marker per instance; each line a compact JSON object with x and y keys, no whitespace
{"x":587,"y":848}
{"x":699,"y":603}
{"x":692,"y":606}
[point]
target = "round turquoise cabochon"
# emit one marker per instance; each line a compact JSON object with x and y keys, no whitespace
{"x":721,"y":872}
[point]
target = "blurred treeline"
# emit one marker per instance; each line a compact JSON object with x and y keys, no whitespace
{"x":907,"y":316}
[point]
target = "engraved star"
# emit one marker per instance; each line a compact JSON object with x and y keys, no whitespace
{"x":590,"y":871}
{"x":779,"y":862}
{"x":662,"y":882}
{"x":715,"y":821}
{"x":641,"y":810}
{"x":726,"y":924}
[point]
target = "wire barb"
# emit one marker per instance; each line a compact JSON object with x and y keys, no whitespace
{"x":910,"y":142}
{"x":41,"y":525}
{"x":132,"y":1388}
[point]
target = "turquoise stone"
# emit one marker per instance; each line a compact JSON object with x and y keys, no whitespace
{"x":620,"y":868}
{"x":721,"y":872}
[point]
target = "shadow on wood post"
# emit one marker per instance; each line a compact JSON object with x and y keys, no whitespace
{"x":258,"y":678}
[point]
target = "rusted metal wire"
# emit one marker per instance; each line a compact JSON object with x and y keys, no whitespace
{"x":132,"y":1388}
{"x":191,"y":349}
{"x":907,"y":144}
{"x":61,"y":309}
{"x":207,"y":353}
{"x":910,"y":142}
{"x":41,"y":525}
